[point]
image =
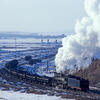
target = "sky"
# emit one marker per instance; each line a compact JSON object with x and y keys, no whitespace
{"x":40,"y":15}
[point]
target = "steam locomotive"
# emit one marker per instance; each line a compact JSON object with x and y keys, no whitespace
{"x":59,"y":80}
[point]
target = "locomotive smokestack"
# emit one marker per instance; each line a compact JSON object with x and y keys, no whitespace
{"x":79,"y":49}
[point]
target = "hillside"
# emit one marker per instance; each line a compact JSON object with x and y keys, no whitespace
{"x":29,"y":35}
{"x":92,"y":73}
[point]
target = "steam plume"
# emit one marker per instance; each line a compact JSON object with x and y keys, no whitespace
{"x":79,"y":49}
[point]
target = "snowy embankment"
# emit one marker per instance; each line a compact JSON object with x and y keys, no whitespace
{"x":9,"y":95}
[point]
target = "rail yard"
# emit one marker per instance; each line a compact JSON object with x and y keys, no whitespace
{"x":37,"y":61}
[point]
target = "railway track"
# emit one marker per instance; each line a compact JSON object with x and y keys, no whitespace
{"x":91,"y":94}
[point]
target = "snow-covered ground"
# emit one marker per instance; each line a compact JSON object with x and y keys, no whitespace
{"x":9,"y":95}
{"x":46,"y":52}
{"x":37,"y":49}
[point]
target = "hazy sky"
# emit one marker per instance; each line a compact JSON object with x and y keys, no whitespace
{"x":40,"y":15}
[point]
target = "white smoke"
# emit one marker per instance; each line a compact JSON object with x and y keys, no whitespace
{"x":79,"y":49}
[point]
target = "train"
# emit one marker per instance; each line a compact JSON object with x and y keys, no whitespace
{"x":59,"y":80}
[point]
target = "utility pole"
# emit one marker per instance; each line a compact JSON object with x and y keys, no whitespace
{"x":15,"y":47}
{"x":41,"y":47}
{"x":48,"y":44}
{"x":56,"y":46}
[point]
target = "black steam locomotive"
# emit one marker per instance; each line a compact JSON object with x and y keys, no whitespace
{"x":59,"y":80}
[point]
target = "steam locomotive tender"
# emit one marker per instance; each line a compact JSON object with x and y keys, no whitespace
{"x":59,"y":80}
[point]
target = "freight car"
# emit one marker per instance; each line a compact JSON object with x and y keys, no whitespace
{"x":12,"y":64}
{"x":27,"y":58}
{"x":59,"y":80}
{"x":44,"y":80}
{"x":32,"y":61}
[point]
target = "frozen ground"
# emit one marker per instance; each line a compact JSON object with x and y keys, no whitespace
{"x":9,"y":95}
{"x":45,"y":51}
{"x":19,"y":48}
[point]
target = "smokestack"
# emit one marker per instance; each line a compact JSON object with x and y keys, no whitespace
{"x":79,"y":49}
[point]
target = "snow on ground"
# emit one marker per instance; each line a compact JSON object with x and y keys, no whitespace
{"x":9,"y":95}
{"x":45,"y":51}
{"x":94,"y":88}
